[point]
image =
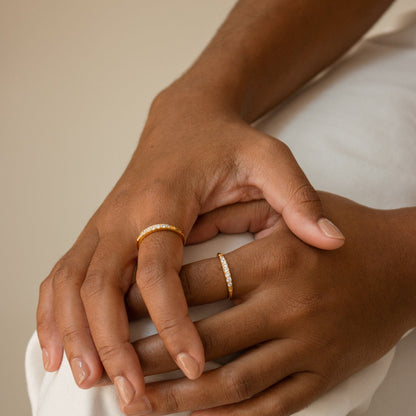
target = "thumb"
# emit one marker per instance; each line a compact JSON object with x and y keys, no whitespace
{"x":288,"y":191}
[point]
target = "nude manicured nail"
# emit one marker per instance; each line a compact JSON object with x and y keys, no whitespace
{"x":188,"y":365}
{"x":330,"y":229}
{"x":125,"y":390}
{"x":45,"y":358}
{"x":142,"y":406}
{"x":80,"y":370}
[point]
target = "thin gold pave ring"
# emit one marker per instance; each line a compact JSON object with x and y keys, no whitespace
{"x":227,"y":275}
{"x":159,"y":227}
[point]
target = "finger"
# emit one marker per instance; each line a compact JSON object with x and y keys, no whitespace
{"x":285,"y":398}
{"x":107,"y":279}
{"x":289,"y":192}
{"x":204,"y":281}
{"x":159,"y":283}
{"x":237,"y":381}
{"x":48,"y":334}
{"x":254,"y":217}
{"x":159,"y":262}
{"x":70,"y":314}
{"x":227,"y":332}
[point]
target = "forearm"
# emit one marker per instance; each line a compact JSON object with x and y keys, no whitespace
{"x":266,"y":49}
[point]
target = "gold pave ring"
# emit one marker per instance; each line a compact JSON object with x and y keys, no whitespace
{"x":227,"y":275}
{"x":159,"y":227}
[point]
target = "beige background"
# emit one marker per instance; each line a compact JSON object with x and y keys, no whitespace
{"x":76,"y":80}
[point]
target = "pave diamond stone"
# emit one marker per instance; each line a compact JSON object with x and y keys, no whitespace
{"x":158,"y":227}
{"x":227,"y":274}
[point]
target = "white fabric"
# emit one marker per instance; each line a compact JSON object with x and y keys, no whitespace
{"x":354,"y":133}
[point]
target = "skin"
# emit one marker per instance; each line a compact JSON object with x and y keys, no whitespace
{"x":264,"y":51}
{"x":304,"y":319}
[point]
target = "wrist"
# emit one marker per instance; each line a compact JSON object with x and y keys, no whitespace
{"x":401,"y":238}
{"x":193,"y":102}
{"x":198,"y":92}
{"x":185,"y":112}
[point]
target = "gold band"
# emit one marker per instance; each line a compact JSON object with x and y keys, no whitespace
{"x":159,"y":227}
{"x":227,"y":275}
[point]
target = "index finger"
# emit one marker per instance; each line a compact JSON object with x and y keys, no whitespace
{"x":159,"y":262}
{"x":102,"y":293}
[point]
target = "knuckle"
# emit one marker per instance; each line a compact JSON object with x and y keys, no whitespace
{"x":150,"y":275}
{"x":171,"y":325}
{"x":108,"y":352}
{"x":44,"y":286}
{"x":236,"y":385}
{"x":271,"y":144}
{"x":71,"y":336}
{"x":43,"y":325}
{"x":282,"y":147}
{"x":282,"y":407}
{"x":304,"y":194}
{"x":274,"y":149}
{"x":287,"y":259}
{"x":93,"y":285}
{"x":171,"y":401}
{"x":264,"y":147}
{"x":303,"y":308}
{"x":120,"y":200}
{"x":63,"y":276}
{"x":158,"y":190}
{"x":280,"y":265}
{"x":261,"y":268}
{"x":310,"y":303}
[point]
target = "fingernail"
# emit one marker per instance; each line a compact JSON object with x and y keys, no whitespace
{"x":45,"y":358}
{"x":188,"y":365}
{"x":125,"y":389}
{"x":330,"y":229}
{"x":80,"y":370}
{"x":142,"y":406}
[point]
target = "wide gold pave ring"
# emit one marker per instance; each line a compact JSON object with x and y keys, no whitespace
{"x":159,"y":227}
{"x":227,"y":275}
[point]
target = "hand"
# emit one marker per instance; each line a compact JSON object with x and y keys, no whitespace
{"x":304,"y":319}
{"x":193,"y":157}
{"x":196,"y":153}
